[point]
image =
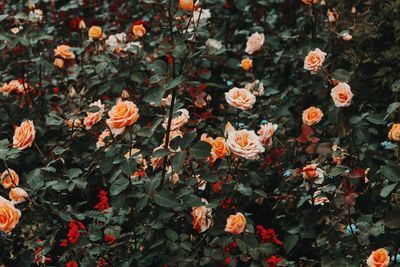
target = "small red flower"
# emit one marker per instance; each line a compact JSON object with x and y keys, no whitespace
{"x":64,"y":243}
{"x":56,"y":90}
{"x":273,"y":261}
{"x":228,"y":261}
{"x":110,"y":239}
{"x":103,"y":203}
{"x":102,"y":263}
{"x":267,"y":235}
{"x":71,"y":264}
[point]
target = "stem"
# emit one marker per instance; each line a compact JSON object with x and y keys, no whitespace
{"x":329,"y":76}
{"x":40,"y":152}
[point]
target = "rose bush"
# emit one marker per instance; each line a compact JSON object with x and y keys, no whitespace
{"x":208,"y":133}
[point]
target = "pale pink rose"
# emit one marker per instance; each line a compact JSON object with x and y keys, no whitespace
{"x":244,"y":143}
{"x":255,"y":42}
{"x":266,"y":132}
{"x":347,"y":37}
{"x":212,"y":43}
{"x":342,"y":95}
{"x":228,"y":128}
{"x":93,"y":117}
{"x":202,"y":219}
{"x":166,"y":101}
{"x":314,"y":60}
{"x":240,"y":98}
{"x":18,"y":195}
{"x":179,"y":121}
{"x":256,"y":87}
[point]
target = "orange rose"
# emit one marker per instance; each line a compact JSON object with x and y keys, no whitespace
{"x":13,"y":85}
{"x":18,"y":195}
{"x":379,"y":258}
{"x":235,"y":224}
{"x":207,"y":139}
{"x":246,"y":64}
{"x":394,"y":133}
{"x":186,"y":4}
{"x":9,"y":215}
{"x":24,"y":135}
{"x":93,"y":117}
{"x":101,"y":142}
{"x":219,"y":148}
{"x":124,"y":113}
{"x":342,"y":95}
{"x":309,"y":2}
{"x":64,"y":52}
{"x":202,"y":219}
{"x":95,"y":33}
{"x":312,"y":116}
{"x":59,"y":63}
{"x":138,"y":30}
{"x":314,"y":60}
{"x":244,"y":143}
{"x":240,"y":98}
{"x":314,"y":174}
{"x":9,"y":179}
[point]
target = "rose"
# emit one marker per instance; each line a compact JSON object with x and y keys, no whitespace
{"x":93,"y":117}
{"x":244,"y":143}
{"x":64,"y":52}
{"x":255,"y":43}
{"x":13,"y":85}
{"x":314,"y":60}
{"x":246,"y":64}
{"x":123,"y":114}
{"x":313,"y":174}
{"x":138,"y":30}
{"x":312,"y":116}
{"x":186,"y":4}
{"x":73,"y":123}
{"x":342,"y":95}
{"x":266,"y":132}
{"x":24,"y":135}
{"x":256,"y":87}
{"x":212,"y":43}
{"x":9,"y":215}
{"x":310,"y":2}
{"x":59,"y":63}
{"x":95,"y":32}
{"x":394,"y":133}
{"x":101,"y":139}
{"x":18,"y":195}
{"x":378,"y":258}
{"x":178,"y":121}
{"x":235,"y":224}
{"x":202,"y":219}
{"x":219,"y":149}
{"x":9,"y":179}
{"x":240,"y":98}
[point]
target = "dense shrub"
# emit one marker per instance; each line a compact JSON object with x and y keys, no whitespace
{"x":173,"y":133}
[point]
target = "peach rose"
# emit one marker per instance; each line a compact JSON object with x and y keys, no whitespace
{"x":256,"y":87}
{"x":206,"y":138}
{"x":95,"y":33}
{"x":202,"y":219}
{"x":394,"y":133}
{"x":313,"y":174}
{"x":13,"y":85}
{"x":123,"y":114}
{"x":138,"y":30}
{"x":240,"y":98}
{"x":9,"y":179}
{"x":9,"y":215}
{"x":59,"y":63}
{"x":157,"y":162}
{"x":219,"y":149}
{"x":178,"y":121}
{"x":312,"y":116}
{"x":310,"y":2}
{"x":266,"y":132}
{"x":228,"y":128}
{"x":63,"y":51}
{"x":73,"y":123}
{"x":314,"y":60}
{"x":93,"y":117}
{"x":235,"y":224}
{"x":379,"y":258}
{"x":342,"y":95}
{"x":24,"y":135}
{"x":18,"y":195}
{"x":255,"y":43}
{"x":101,"y":141}
{"x":186,"y":4}
{"x":244,"y":143}
{"x":246,"y":64}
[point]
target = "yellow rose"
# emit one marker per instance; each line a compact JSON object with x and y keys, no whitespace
{"x":63,"y":51}
{"x":59,"y":63}
{"x":95,"y":32}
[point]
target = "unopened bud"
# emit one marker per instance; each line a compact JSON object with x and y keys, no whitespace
{"x":125,"y":94}
{"x":353,"y":10}
{"x":82,"y":25}
{"x":31,"y":5}
{"x":72,"y":93}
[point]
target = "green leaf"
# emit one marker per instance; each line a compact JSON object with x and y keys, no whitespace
{"x":179,"y":51}
{"x":200,"y":150}
{"x":391,"y":108}
{"x":73,"y":173}
{"x":187,"y":139}
{"x":166,"y":199}
{"x":34,"y":179}
{"x":118,"y":186}
{"x":178,"y":159}
{"x":159,"y":67}
{"x":175,"y":82}
{"x":385,"y":192}
{"x":152,"y":184}
{"x":171,"y":235}
{"x":342,"y":75}
{"x":392,"y":173}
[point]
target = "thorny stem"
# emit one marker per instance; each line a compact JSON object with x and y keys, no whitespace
{"x":329,"y":76}
{"x":40,"y":152}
